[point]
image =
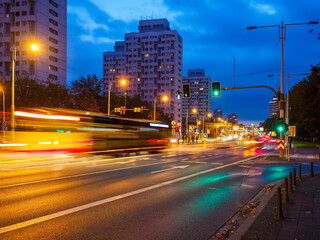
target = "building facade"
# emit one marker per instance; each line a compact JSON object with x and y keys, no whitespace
{"x":233,"y":118}
{"x":151,"y":63}
{"x":217,"y":114}
{"x":274,"y":109}
{"x":201,"y":101}
{"x":24,"y":22}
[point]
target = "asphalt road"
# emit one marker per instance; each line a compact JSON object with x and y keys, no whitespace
{"x":187,"y":192}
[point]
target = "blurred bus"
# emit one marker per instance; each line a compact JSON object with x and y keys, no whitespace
{"x":53,"y":129}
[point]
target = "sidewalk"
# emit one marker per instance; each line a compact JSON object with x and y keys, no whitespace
{"x":301,"y":217}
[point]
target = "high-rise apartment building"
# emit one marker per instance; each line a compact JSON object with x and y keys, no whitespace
{"x":199,"y":100}
{"x":274,"y":109}
{"x":151,"y":62}
{"x":217,"y":114}
{"x":24,"y":22}
{"x":233,"y":118}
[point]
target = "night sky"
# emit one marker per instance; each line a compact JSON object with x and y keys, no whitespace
{"x":213,"y":32}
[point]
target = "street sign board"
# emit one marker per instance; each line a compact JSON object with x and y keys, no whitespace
{"x":292,"y":131}
{"x":273,"y":133}
{"x":205,"y":135}
{"x":280,"y":145}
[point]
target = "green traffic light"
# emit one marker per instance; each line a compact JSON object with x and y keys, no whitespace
{"x":216,"y":93}
{"x":280,"y":129}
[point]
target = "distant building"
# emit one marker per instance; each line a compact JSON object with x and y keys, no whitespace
{"x":199,"y":100}
{"x":233,"y":118}
{"x":114,"y":65}
{"x":274,"y":109}
{"x":217,"y":114}
{"x":151,"y":61}
{"x":33,"y":21}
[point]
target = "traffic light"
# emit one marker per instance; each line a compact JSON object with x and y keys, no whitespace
{"x":216,"y":89}
{"x":281,"y":127}
{"x":186,"y":90}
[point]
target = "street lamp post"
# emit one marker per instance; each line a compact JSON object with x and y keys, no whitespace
{"x":234,"y":71}
{"x":287,"y":100}
{"x":123,"y":82}
{"x":109,"y":89}
{"x":3,"y":112}
{"x":164,"y":98}
{"x":14,"y":55}
{"x":3,"y":106}
{"x":282,"y":36}
{"x":34,"y":47}
{"x":194,"y":110}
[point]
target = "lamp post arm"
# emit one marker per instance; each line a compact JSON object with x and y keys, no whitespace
{"x":259,"y":86}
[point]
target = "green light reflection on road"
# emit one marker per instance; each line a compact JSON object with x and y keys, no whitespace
{"x":209,"y":179}
{"x":276,"y":173}
{"x":211,"y":200}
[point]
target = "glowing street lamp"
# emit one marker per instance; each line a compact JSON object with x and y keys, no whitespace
{"x":194,"y":111}
{"x":123,"y":82}
{"x":34,"y":47}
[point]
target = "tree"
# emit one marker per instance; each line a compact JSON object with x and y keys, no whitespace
{"x":32,"y":93}
{"x":304,"y":103}
{"x":270,"y":124}
{"x":86,"y":93}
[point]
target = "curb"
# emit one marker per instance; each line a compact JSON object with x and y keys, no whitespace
{"x":241,"y":224}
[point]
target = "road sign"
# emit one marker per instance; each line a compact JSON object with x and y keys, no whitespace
{"x":273,"y":133}
{"x":173,"y":122}
{"x":117,"y":110}
{"x":292,"y":131}
{"x":205,"y":135}
{"x":280,"y":145}
{"x":123,"y":110}
{"x":137,"y":109}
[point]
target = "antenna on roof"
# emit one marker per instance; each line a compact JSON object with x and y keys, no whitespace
{"x":152,"y":15}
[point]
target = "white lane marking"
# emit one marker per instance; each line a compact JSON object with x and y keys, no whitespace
{"x":201,"y":162}
{"x":184,"y":159}
{"x":130,"y":161}
{"x":111,"y":199}
{"x":216,"y":163}
{"x":78,"y":175}
{"x":203,"y":156}
{"x":168,"y":169}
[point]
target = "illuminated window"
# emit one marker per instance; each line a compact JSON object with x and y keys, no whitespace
{"x":146,"y":55}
